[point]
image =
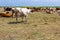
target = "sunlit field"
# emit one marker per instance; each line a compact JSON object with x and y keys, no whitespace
{"x":39,"y":26}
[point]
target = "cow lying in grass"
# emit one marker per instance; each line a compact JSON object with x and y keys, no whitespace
{"x":5,"y":14}
{"x":23,"y":12}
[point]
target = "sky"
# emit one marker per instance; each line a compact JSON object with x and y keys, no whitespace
{"x":29,"y":2}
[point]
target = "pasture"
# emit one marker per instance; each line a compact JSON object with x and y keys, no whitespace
{"x":39,"y":26}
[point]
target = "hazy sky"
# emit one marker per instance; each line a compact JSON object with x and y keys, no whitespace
{"x":29,"y":2}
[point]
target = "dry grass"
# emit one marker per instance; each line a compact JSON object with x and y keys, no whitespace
{"x":40,"y":26}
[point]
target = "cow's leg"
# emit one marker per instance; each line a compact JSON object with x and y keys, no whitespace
{"x":22,"y":19}
{"x":16,"y":15}
{"x":25,"y":19}
{"x":13,"y":13}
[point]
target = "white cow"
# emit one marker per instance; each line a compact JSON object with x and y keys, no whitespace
{"x":22,"y":11}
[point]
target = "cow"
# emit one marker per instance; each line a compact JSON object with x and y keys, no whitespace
{"x":50,"y":10}
{"x":23,"y":12}
{"x":7,"y":9}
{"x":58,"y":11}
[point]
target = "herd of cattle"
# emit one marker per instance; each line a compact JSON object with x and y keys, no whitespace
{"x":23,"y":12}
{"x":46,"y":9}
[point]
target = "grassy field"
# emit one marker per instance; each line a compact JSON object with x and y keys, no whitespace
{"x":39,"y":26}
